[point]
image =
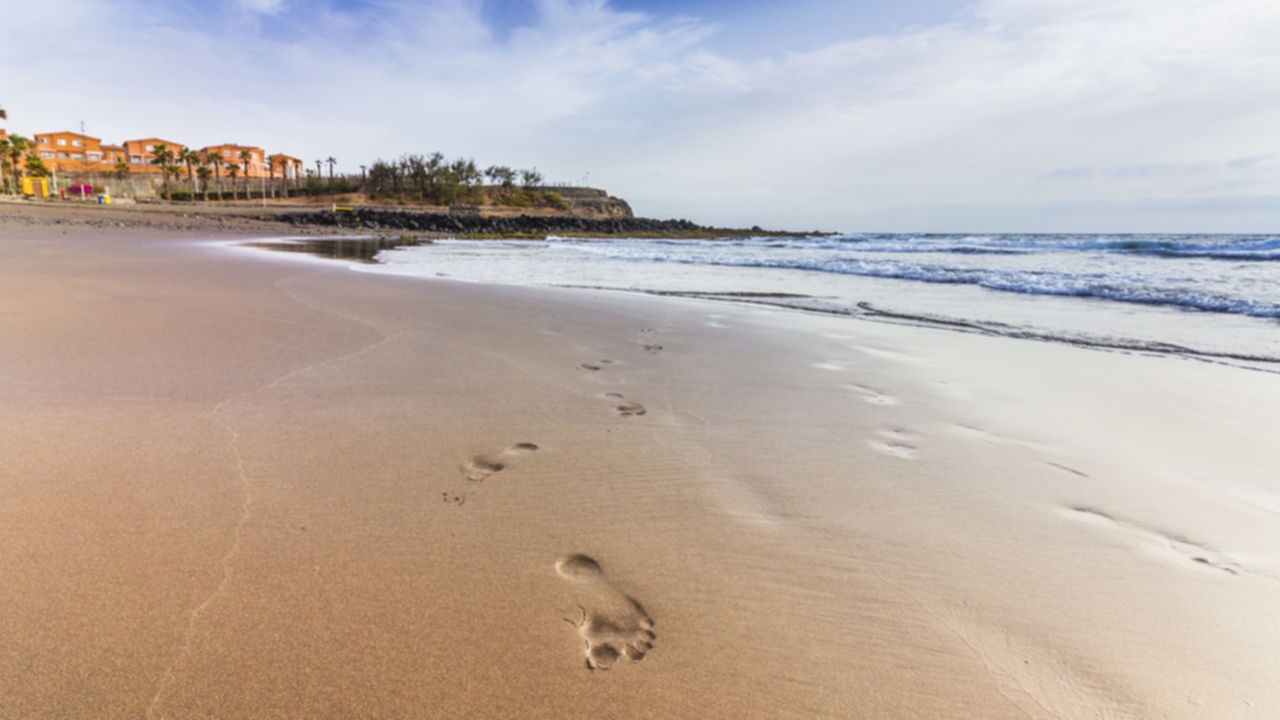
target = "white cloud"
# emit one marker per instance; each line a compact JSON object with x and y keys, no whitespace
{"x":264,"y":7}
{"x":1022,"y":116}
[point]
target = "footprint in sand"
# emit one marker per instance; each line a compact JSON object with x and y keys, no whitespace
{"x":482,"y":466}
{"x":872,"y":396}
{"x":625,"y":407}
{"x":613,"y":625}
{"x":895,"y":444}
{"x":1162,"y":543}
{"x":594,"y":366}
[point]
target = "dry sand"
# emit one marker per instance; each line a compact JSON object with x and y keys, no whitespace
{"x":246,"y":486}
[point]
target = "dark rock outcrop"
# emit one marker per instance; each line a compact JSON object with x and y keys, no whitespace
{"x":471,"y":223}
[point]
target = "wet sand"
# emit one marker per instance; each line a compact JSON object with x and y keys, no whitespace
{"x":241,"y":486}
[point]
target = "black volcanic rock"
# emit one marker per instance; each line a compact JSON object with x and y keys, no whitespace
{"x":472,"y":223}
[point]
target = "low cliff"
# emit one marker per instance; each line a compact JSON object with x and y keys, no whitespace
{"x":474,"y":223}
{"x":590,"y":202}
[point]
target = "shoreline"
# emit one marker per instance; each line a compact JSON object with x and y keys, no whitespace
{"x":274,"y":487}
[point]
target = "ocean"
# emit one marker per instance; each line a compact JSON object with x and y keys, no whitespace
{"x":1208,"y":297}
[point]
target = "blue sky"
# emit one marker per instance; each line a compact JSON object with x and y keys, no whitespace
{"x":920,"y":115}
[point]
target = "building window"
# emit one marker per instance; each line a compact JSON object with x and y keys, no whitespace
{"x":75,"y":143}
{"x":62,"y":141}
{"x":135,"y":159}
{"x":149,"y":148}
{"x":46,"y":155}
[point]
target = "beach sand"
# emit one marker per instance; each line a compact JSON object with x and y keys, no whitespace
{"x":248,"y":485}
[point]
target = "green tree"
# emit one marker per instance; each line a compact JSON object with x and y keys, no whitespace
{"x":36,"y":166}
{"x":175,"y":169}
{"x":530,"y":178}
{"x":501,"y":176}
{"x":233,"y":169}
{"x":283,"y":162}
{"x":122,"y":170}
{"x":15,"y":147}
{"x":245,"y":158}
{"x":204,"y":173}
{"x":161,"y":155}
{"x":189,"y":157}
{"x":5,"y":163}
{"x":216,"y":160}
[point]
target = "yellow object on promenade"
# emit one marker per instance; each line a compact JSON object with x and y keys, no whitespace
{"x":35,"y":187}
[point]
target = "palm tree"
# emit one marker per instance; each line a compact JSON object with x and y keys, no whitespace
{"x":161,"y":155}
{"x":4,"y":161}
{"x":36,"y":166}
{"x":122,"y":169}
{"x":175,"y":169}
{"x":215,"y":159}
{"x":331,"y":162}
{"x":283,"y":162}
{"x":15,"y":146}
{"x":203,"y":172}
{"x":3,"y":115}
{"x":188,"y":157}
{"x":245,"y":157}
{"x":233,"y":169}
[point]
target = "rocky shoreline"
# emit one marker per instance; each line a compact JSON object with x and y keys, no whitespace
{"x":477,"y":224}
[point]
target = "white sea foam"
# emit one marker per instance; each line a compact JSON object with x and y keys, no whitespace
{"x":1213,"y":294}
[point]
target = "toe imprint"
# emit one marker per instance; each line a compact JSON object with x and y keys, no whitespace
{"x":613,"y":625}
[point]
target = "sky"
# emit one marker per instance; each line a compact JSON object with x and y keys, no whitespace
{"x":853,"y":115}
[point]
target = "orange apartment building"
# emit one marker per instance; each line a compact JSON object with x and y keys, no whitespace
{"x":255,"y":167}
{"x":287,"y":167}
{"x":138,"y":154}
{"x":74,"y":152}
{"x":71,"y":152}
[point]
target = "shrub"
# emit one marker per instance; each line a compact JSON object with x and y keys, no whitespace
{"x":555,"y":200}
{"x":518,"y":198}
